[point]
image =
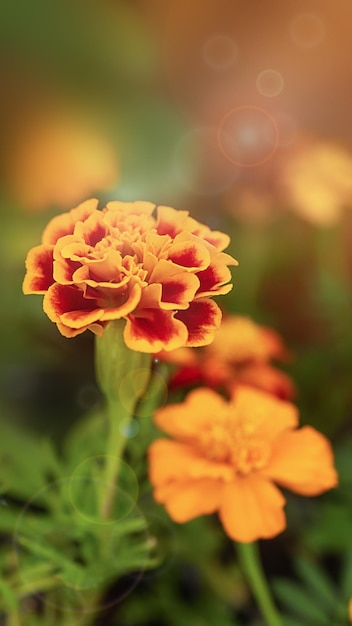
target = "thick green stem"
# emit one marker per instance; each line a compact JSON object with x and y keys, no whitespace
{"x":123,"y":376}
{"x":249,"y":559}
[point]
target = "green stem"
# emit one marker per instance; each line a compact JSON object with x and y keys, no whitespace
{"x":115,"y":446}
{"x":123,"y":376}
{"x":249,"y":559}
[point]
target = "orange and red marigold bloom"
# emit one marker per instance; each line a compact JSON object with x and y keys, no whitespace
{"x":157,"y":272}
{"x":241,"y":353}
{"x":226,"y":457}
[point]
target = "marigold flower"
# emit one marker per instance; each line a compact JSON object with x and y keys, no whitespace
{"x":159,"y":273}
{"x":240,"y":353}
{"x":227,"y":456}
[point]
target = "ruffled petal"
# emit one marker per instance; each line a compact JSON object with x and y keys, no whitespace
{"x":92,"y":230}
{"x":178,"y":287}
{"x":252,"y":508}
{"x":186,"y":421}
{"x":170,"y":221}
{"x":138,"y":207}
{"x":266,"y":415}
{"x":186,"y":501}
{"x":128,"y":304}
{"x":152,"y":330}
{"x":216,"y":238}
{"x":39,"y":266}
{"x":189,"y":252}
{"x":66,"y":304}
{"x":68,"y":332}
{"x":303,"y":461}
{"x":266,"y":377}
{"x":212,"y":278}
{"x":175,"y":461}
{"x":64,"y":224}
{"x":202,"y":318}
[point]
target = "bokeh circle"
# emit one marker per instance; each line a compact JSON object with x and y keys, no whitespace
{"x":220,"y":52}
{"x":248,"y":136}
{"x":307,"y":30}
{"x":270,"y":83}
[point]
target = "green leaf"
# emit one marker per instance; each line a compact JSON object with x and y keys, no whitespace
{"x":317,"y":583}
{"x":300,"y":603}
{"x":333,"y":532}
{"x":26,"y":462}
{"x":7,"y":597}
{"x":85,"y":439}
{"x":346,"y":578}
{"x":290,"y":621}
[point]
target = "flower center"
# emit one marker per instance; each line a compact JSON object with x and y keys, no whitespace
{"x":236,"y":445}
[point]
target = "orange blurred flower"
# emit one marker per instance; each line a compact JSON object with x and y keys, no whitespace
{"x":159,"y":273}
{"x":316,"y":180}
{"x":227,"y":456}
{"x":58,"y":156}
{"x":239,"y":354}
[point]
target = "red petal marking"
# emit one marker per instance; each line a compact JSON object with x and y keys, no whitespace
{"x":212,"y":279}
{"x":154,"y":330}
{"x":170,"y":221}
{"x":67,"y":304}
{"x":64,"y":224}
{"x":219,"y":240}
{"x":178,"y":286}
{"x":92,"y":230}
{"x":190,"y":254}
{"x":178,"y":292}
{"x":202,"y":318}
{"x":186,"y":377}
{"x":39,"y":265}
{"x":64,"y":270}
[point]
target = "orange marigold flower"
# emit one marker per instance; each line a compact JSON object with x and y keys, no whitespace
{"x":239,"y":354}
{"x":227,"y":456}
{"x":158,"y":272}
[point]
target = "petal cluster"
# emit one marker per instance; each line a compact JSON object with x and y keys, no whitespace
{"x":241,"y":353}
{"x":158,"y":272}
{"x":229,"y":457}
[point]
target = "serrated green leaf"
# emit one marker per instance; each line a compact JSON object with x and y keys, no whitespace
{"x":25,"y":462}
{"x":44,"y":551}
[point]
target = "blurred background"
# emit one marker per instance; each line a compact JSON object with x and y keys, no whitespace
{"x":236,"y":111}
